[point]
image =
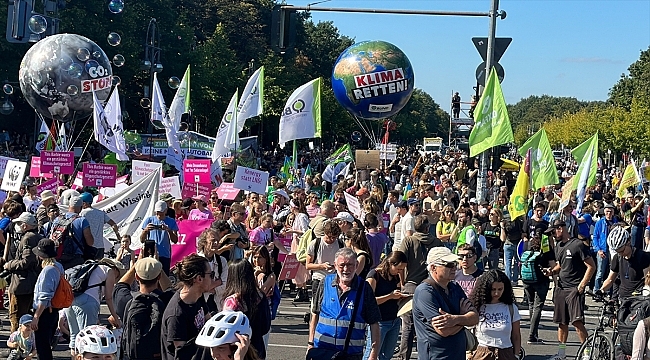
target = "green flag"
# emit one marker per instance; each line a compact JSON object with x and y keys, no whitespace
{"x":492,"y":125}
{"x":542,"y":163}
{"x":581,"y":154}
{"x":342,"y":154}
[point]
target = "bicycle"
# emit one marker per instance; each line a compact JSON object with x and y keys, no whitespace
{"x":600,"y":343}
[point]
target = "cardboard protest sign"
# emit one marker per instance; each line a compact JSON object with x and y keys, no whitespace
{"x":14,"y":174}
{"x":171,"y":185}
{"x":52,"y":185}
{"x":196,"y":171}
{"x":192,"y":190}
{"x":99,"y":175}
{"x":367,"y":159}
{"x":353,"y":205}
{"x":251,"y":180}
{"x":140,"y":169}
{"x":227,"y":191}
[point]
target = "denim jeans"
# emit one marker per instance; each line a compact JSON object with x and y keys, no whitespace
{"x":493,"y":258}
{"x":510,"y":262}
{"x":389,"y":332}
{"x":536,"y":296}
{"x":602,"y":270}
{"x":83,"y":312}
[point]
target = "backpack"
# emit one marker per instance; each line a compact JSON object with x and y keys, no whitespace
{"x":62,"y":234}
{"x":305,"y":240}
{"x":528,"y":272}
{"x":317,"y":246}
{"x":142,"y":327}
{"x":78,"y":277}
{"x":63,"y":295}
{"x":631,"y":311}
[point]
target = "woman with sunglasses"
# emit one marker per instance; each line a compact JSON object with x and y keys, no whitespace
{"x":243,"y":294}
{"x":495,"y":236}
{"x":446,"y":226}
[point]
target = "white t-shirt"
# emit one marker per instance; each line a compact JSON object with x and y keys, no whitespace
{"x":408,"y":224}
{"x":98,"y":276}
{"x":96,"y":219}
{"x":31,"y":205}
{"x":495,"y":326}
{"x":397,"y":236}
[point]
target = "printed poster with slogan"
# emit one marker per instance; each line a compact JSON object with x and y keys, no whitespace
{"x":140,"y":169}
{"x":251,"y":180}
{"x":131,"y":206}
{"x":3,"y":164}
{"x":14,"y":174}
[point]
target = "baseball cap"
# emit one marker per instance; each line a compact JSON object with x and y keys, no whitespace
{"x":86,"y":197}
{"x":402,"y":204}
{"x":47,"y":195}
{"x":441,"y":256}
{"x":75,"y":202}
{"x":200,"y":198}
{"x":160,"y":206}
{"x":374,"y":173}
{"x":345,"y":216}
{"x":166,"y":197}
{"x":148,"y":268}
{"x":413,"y":202}
{"x":25,"y":319}
{"x":26,"y":218}
{"x":473,"y":201}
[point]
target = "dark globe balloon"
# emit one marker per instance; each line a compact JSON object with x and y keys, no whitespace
{"x":57,"y":78}
{"x":373,"y":79}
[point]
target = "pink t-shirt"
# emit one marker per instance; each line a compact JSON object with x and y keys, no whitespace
{"x":196,"y":214}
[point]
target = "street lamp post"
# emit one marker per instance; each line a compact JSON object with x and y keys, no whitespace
{"x":151,"y":63}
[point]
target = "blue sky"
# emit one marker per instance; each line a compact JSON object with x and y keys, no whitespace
{"x":576,"y":48}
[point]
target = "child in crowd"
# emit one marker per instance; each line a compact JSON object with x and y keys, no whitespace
{"x":21,"y":341}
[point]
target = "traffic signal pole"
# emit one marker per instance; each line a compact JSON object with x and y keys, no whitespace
{"x":481,"y":183}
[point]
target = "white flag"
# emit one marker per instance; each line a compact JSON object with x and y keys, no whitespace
{"x":583,"y":172}
{"x":62,"y":141}
{"x":159,"y":115}
{"x":43,"y":135}
{"x":251,"y":102}
{"x":225,"y":140}
{"x":301,"y":116}
{"x":113,"y":111}
{"x":181,"y":103}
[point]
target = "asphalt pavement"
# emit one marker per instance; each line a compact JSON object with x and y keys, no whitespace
{"x":290,"y":333}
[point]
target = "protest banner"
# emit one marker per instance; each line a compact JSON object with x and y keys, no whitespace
{"x":188,"y":233}
{"x":251,"y":180}
{"x":171,"y":185}
{"x":14,"y":174}
{"x":58,"y":162}
{"x":99,"y":175}
{"x":227,"y":191}
{"x":353,"y":205}
{"x":130,"y":207}
{"x":35,"y":169}
{"x":196,"y":171}
{"x":3,"y":164}
{"x":52,"y":185}
{"x":192,"y":190}
{"x":289,"y":267}
{"x":140,"y":169}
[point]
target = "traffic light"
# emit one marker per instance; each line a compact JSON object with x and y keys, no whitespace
{"x":283,"y":28}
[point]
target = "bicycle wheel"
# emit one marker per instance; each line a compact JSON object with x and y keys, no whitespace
{"x":601,"y":349}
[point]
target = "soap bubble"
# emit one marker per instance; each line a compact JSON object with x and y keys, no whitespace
{"x":75,"y":70}
{"x":174,"y":82}
{"x":37,"y":24}
{"x":72,"y":90}
{"x":8,"y":89}
{"x":83,"y":54}
{"x":116,"y":6}
{"x":145,"y":103}
{"x":97,"y":54}
{"x":114,"y":39}
{"x":116,"y":80}
{"x":118,"y":60}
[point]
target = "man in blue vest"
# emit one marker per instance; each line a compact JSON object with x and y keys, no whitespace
{"x":334,"y":310}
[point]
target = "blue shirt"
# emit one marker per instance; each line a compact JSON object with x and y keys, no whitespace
{"x":4,"y":223}
{"x":46,"y":284}
{"x":78,"y":226}
{"x":426,"y":304}
{"x":584,"y":228}
{"x":160,"y":236}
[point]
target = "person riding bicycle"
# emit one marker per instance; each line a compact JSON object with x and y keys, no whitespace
{"x":627,"y":264}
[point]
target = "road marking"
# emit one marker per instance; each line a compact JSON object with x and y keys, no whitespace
{"x":548,"y":314}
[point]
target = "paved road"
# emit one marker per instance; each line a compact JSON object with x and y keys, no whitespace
{"x":289,"y":335}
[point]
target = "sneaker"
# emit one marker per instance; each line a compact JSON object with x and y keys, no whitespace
{"x":535,"y":341}
{"x":557,"y":357}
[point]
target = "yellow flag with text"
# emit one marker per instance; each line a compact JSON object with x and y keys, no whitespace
{"x":519,"y":198}
{"x":630,"y":178}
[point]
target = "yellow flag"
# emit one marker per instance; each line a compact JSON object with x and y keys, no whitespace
{"x":519,"y":198}
{"x":630,"y":178}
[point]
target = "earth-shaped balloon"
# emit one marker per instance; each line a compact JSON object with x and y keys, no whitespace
{"x":373,"y":79}
{"x":59,"y":73}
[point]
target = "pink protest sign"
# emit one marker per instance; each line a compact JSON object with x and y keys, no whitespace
{"x":52,"y":185}
{"x":59,"y":162}
{"x":227,"y":191}
{"x":99,"y":175}
{"x":35,"y":169}
{"x":192,"y":190}
{"x":196,"y":171}
{"x":188,"y":232}
{"x":289,"y":267}
{"x":78,"y":180}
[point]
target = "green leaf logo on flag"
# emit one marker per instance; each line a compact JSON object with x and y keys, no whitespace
{"x":492,"y":124}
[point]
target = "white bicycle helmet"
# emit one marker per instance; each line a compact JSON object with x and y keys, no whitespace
{"x":617,"y":237}
{"x":96,"y":339}
{"x":221,"y":329}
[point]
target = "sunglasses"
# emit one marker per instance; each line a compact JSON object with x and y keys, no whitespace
{"x":451,"y":265}
{"x":465,"y":256}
